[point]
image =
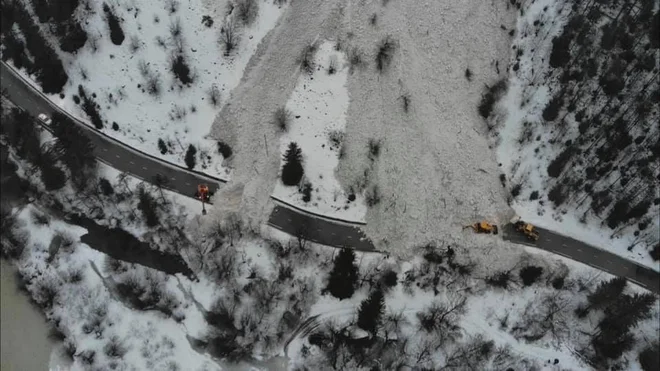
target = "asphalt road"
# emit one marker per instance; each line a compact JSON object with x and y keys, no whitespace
{"x":590,"y":255}
{"x":294,"y":222}
{"x":319,"y":230}
{"x":182,"y":181}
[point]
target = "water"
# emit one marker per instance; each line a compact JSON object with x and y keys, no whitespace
{"x":24,"y":342}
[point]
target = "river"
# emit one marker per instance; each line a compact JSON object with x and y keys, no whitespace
{"x":24,"y":341}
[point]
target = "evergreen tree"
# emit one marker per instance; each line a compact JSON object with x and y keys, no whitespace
{"x":51,"y":175}
{"x":606,"y":293}
{"x":627,"y":311}
{"x":147,"y":205}
{"x":371,"y":311}
{"x":106,"y":187}
{"x":292,"y":171}
{"x":190,"y":157}
{"x":116,"y":33}
{"x":344,"y":275}
{"x":73,"y":148}
{"x":23,"y":136}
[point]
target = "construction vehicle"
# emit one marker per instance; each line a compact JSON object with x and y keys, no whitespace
{"x":527,"y":229}
{"x":483,"y":227}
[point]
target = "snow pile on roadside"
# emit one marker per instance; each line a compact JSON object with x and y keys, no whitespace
{"x":318,"y":107}
{"x":521,"y":108}
{"x":180,"y":115}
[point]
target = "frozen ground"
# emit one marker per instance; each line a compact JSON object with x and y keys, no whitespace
{"x":318,"y":107}
{"x":180,"y":115}
{"x":435,"y":171}
{"x":521,"y":163}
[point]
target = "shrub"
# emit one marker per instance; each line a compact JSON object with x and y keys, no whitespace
{"x":116,"y":33}
{"x":551,"y":111}
{"x":73,"y":37}
{"x":162,"y":147}
{"x":557,"y":194}
{"x":224,"y":149}
{"x":113,"y":348}
{"x":655,"y":252}
{"x":148,"y":205}
{"x":307,"y":192}
{"x":557,"y":165}
{"x":39,"y":218}
{"x":229,"y":37}
{"x":500,"y":280}
{"x":106,"y":187}
{"x":87,"y":357}
{"x":374,"y":149}
{"x":46,"y":293}
{"x":282,"y":118}
{"x":292,"y":170}
{"x":172,"y":6}
{"x":530,"y":274}
{"x":355,"y":59}
{"x":175,"y":29}
{"x":180,"y":69}
{"x":534,"y":196}
{"x":389,"y":278}
{"x":384,"y":54}
{"x":558,"y":282}
{"x":247,"y":10}
{"x":115,"y":126}
{"x":373,"y":196}
{"x":214,"y":95}
{"x":207,"y":21}
{"x":515,"y":191}
{"x":488,"y":100}
{"x":191,"y":154}
{"x":307,"y":59}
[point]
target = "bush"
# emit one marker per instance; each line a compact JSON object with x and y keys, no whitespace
{"x":224,"y":149}
{"x":488,"y":100}
{"x":214,"y":95}
{"x":87,"y":357}
{"x":148,"y":206}
{"x":355,"y":59}
{"x":307,"y":192}
{"x":500,"y":280}
{"x":534,"y":196}
{"x":557,"y":165}
{"x":247,"y":10}
{"x":73,"y":38}
{"x":229,"y":37}
{"x":389,"y":278}
{"x":655,"y":252}
{"x":207,"y":21}
{"x":46,"y":294}
{"x":116,"y":33}
{"x":106,"y":187}
{"x":180,"y":69}
{"x":515,"y":191}
{"x":307,"y":59}
{"x":373,"y":196}
{"x":114,"y":348}
{"x":292,"y":170}
{"x":557,"y":194}
{"x":384,"y":54}
{"x":190,"y":156}
{"x":282,"y":118}
{"x":530,"y":274}
{"x":162,"y":147}
{"x":175,"y":29}
{"x":551,"y":111}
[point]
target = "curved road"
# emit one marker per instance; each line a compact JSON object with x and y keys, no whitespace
{"x":294,"y":222}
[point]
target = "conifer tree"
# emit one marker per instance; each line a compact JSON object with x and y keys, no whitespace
{"x":292,"y":171}
{"x":371,"y":311}
{"x":344,"y":275}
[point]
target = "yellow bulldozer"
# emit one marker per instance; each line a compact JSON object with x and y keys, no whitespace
{"x":527,"y":229}
{"x":483,"y":227}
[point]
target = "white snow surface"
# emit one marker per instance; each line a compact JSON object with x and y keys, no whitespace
{"x":435,"y":171}
{"x":112,"y":73}
{"x":318,"y":107}
{"x":527,"y":95}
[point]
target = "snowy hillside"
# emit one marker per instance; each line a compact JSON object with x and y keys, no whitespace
{"x":161,"y":86}
{"x":577,"y":128}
